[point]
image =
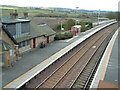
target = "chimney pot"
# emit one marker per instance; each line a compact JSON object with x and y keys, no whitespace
{"x":14,"y":14}
{"x":25,"y":14}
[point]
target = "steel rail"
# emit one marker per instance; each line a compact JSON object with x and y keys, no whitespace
{"x":81,"y":72}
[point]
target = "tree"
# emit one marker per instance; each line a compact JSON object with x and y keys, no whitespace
{"x":69,"y":24}
{"x":113,"y":15}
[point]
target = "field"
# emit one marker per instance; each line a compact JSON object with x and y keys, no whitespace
{"x":51,"y":16}
{"x":50,"y":12}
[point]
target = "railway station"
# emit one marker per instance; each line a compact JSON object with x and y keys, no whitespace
{"x":59,"y":45}
{"x":69,"y":49}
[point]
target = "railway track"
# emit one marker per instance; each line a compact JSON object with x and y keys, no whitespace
{"x":70,"y":77}
{"x":77,"y":67}
{"x":84,"y":78}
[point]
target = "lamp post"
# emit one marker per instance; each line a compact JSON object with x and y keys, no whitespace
{"x":61,"y":26}
{"x":76,"y":8}
{"x":76,"y":15}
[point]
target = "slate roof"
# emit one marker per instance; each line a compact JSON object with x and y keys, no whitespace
{"x":46,"y":29}
{"x":8,"y":20}
{"x":35,"y":30}
{"x":8,"y":33}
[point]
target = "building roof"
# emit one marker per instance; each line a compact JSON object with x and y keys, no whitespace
{"x":35,"y":30}
{"x":8,"y":33}
{"x":77,"y":26}
{"x":46,"y":29}
{"x":8,"y":20}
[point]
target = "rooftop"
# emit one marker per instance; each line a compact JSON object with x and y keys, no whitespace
{"x":77,"y":26}
{"x":35,"y":30}
{"x":8,"y":20}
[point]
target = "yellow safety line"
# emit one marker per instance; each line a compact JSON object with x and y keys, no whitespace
{"x":108,"y":58}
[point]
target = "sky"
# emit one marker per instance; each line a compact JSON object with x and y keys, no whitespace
{"x":107,"y":5}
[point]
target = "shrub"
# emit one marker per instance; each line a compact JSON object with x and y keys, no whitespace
{"x":63,"y":36}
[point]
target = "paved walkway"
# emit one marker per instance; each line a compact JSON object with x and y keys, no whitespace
{"x":113,"y":65}
{"x":31,"y":59}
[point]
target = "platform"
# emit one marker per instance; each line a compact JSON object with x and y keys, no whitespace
{"x":107,"y":72}
{"x":44,"y":64}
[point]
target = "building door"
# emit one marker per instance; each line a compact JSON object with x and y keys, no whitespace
{"x":48,"y":39}
{"x":34,"y":43}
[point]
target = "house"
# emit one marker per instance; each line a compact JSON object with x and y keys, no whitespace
{"x":24,"y":35}
{"x":76,"y":29}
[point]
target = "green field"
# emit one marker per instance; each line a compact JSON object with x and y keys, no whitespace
{"x":46,"y":12}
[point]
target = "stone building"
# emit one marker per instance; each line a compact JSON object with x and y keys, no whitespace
{"x":20,"y":35}
{"x":7,"y":48}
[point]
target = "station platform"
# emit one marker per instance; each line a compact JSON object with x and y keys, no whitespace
{"x":107,"y":75}
{"x":25,"y":76}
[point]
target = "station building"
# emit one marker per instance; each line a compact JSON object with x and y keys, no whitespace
{"x":19,"y":35}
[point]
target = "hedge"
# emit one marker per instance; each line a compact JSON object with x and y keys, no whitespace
{"x":63,"y":36}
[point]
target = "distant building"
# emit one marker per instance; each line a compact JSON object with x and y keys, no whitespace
{"x":20,"y":35}
{"x":76,"y":29}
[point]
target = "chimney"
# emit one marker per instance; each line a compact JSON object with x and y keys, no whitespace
{"x":25,"y":14}
{"x":14,"y":14}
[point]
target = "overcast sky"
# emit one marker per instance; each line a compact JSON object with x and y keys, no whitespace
{"x":110,"y":5}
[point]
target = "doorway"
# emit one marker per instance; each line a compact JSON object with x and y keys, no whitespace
{"x":34,"y":42}
{"x":47,"y":39}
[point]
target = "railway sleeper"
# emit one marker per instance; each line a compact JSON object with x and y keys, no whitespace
{"x":78,"y":86}
{"x":88,"y":69}
{"x":83,"y":79}
{"x":54,"y":80}
{"x":80,"y":83}
{"x":91,"y":65}
{"x":57,"y":75}
{"x":86,"y":72}
{"x":85,"y":75}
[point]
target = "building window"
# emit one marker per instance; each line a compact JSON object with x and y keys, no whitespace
{"x":20,"y":45}
{"x":12,"y":29}
{"x":28,"y":42}
{"x":24,"y":44}
{"x":25,"y":27}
